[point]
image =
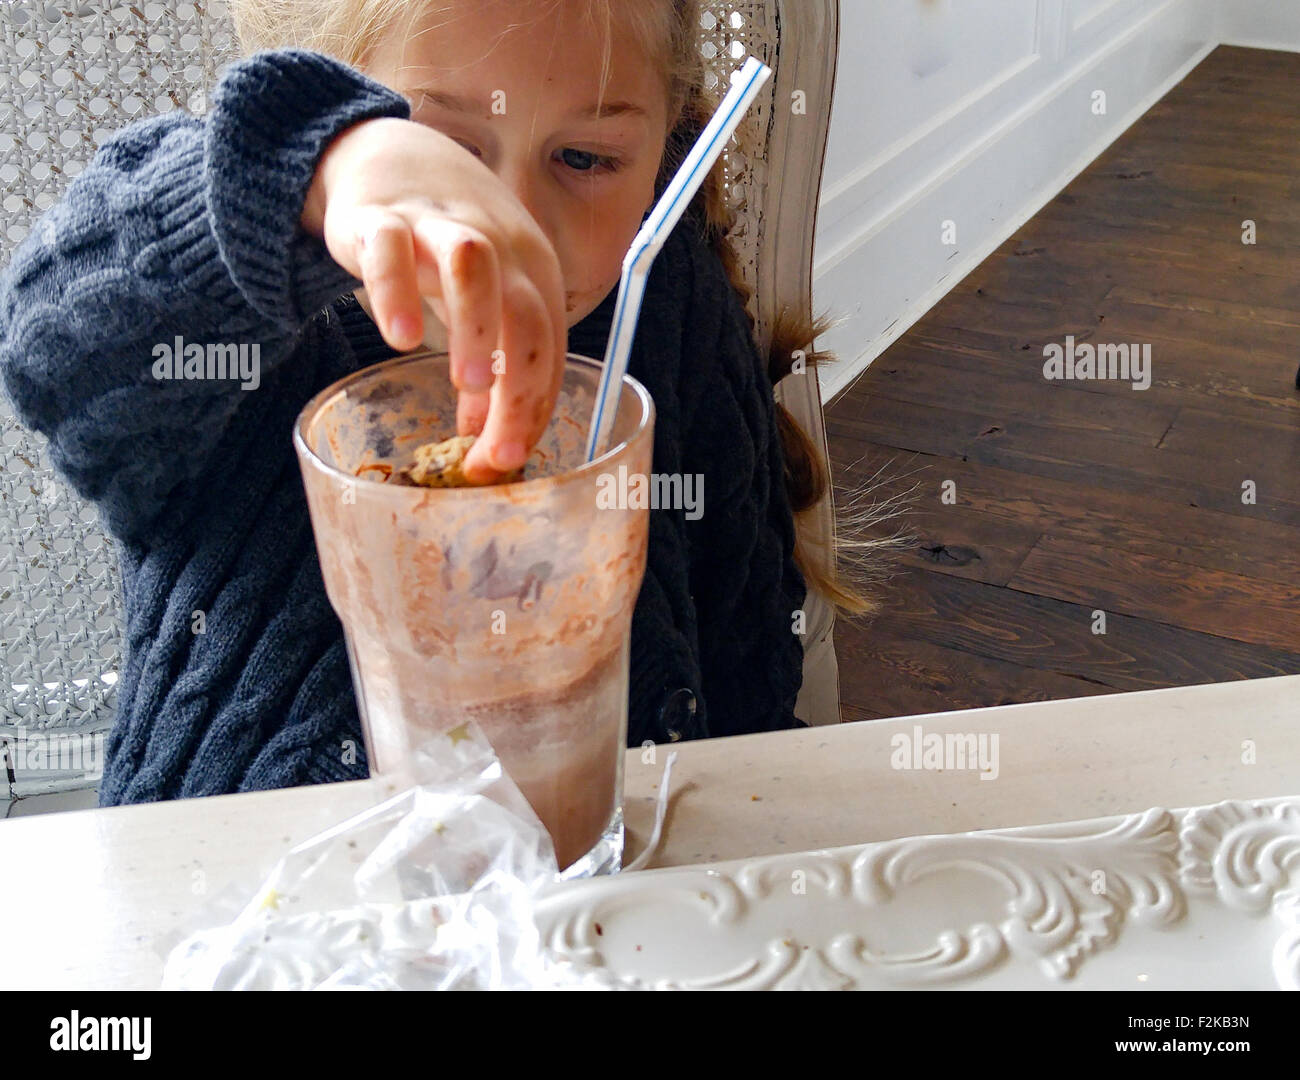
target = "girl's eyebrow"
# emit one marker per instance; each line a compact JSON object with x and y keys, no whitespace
{"x":456,"y":103}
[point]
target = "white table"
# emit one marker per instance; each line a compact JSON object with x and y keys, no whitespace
{"x":86,"y":894}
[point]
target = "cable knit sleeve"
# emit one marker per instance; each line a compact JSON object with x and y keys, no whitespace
{"x":665,"y":682}
{"x":713,"y":647}
{"x":744,"y":581}
{"x":181,"y":232}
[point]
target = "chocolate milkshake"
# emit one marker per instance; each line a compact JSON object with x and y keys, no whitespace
{"x":509,"y":605}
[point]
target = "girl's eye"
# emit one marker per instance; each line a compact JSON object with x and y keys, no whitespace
{"x":584,"y":161}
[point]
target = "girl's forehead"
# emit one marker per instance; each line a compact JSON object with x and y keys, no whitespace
{"x":460,"y":34}
{"x":474,"y":52}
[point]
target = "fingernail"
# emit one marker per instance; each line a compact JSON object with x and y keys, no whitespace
{"x":509,"y":456}
{"x":404,"y":328}
{"x":479,"y":375}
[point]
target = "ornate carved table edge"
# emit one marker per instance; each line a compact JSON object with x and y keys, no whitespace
{"x":1205,"y":896}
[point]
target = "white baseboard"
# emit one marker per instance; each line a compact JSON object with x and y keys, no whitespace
{"x":881,"y":281}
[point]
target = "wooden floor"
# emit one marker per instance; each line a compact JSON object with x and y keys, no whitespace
{"x":1076,"y":497}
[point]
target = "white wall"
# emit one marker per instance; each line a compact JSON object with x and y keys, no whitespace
{"x":976,"y":112}
{"x":1264,"y":24}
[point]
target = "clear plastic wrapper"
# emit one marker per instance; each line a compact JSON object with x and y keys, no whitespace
{"x":433,"y":889}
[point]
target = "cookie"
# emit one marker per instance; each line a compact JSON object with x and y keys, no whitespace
{"x":441,"y":465}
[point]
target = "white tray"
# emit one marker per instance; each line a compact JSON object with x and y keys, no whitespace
{"x":1206,"y":897}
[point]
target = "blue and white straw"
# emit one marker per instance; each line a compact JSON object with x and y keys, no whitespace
{"x":668,"y":211}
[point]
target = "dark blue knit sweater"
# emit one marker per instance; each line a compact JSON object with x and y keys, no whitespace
{"x":187,"y":227}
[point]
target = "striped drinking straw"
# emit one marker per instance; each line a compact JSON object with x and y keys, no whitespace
{"x":745,"y":85}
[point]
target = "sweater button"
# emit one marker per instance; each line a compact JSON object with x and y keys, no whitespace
{"x":677,"y":711}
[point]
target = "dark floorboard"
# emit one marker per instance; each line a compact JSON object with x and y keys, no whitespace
{"x":1080,"y":497}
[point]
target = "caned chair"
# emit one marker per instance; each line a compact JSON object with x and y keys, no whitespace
{"x":70,"y":74}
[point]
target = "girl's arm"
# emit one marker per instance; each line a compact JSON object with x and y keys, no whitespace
{"x":181,"y":232}
{"x":665,"y":684}
{"x":747,"y":589}
{"x":666,"y":691}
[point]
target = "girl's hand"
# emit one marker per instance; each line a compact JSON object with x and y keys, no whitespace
{"x":410,"y":212}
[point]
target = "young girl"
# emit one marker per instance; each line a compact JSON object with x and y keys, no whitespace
{"x":497,"y":158}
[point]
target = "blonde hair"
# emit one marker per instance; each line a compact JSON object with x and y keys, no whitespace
{"x":667,"y":31}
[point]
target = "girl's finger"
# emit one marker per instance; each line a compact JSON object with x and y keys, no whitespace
{"x":470,"y":291}
{"x":524,"y":394}
{"x":385,"y":255}
{"x":472,"y":412}
{"x":549,"y":279}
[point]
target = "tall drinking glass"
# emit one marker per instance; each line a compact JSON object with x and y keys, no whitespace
{"x":508,"y":605}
